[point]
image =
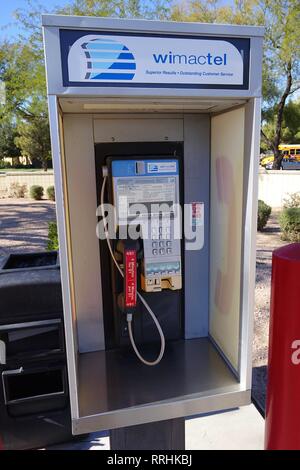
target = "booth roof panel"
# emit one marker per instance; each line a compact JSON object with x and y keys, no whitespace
{"x":167,"y":59}
{"x":111,"y":105}
{"x":88,"y":22}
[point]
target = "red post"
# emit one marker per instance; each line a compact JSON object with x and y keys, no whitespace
{"x":282,"y":429}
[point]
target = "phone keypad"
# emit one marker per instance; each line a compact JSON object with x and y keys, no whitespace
{"x":165,"y":247}
{"x":161,"y":240}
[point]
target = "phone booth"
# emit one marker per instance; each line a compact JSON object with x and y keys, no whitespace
{"x":155,"y":132}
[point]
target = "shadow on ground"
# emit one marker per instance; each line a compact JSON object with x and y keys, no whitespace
{"x":93,"y":441}
{"x":263,"y":272}
{"x":259,"y":386}
{"x":271,"y":229}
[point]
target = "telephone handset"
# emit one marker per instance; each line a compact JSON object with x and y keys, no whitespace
{"x":150,"y":188}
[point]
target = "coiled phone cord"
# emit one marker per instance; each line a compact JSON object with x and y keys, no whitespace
{"x":129,"y":316}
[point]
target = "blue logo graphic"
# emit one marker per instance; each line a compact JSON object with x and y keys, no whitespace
{"x":153,"y":168}
{"x":108,"y":60}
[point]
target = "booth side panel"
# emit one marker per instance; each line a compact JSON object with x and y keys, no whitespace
{"x":80,"y":164}
{"x":227,"y":151}
{"x":67,"y":230}
{"x":53,"y":60}
{"x":57,"y":146}
{"x":256,"y":66}
{"x":251,"y":166}
{"x":196,"y":188}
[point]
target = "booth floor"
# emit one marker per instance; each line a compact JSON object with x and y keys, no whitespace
{"x":199,"y":370}
{"x":237,"y":429}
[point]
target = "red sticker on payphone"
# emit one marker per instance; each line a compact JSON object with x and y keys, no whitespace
{"x":197,"y":213}
{"x":130,"y":278}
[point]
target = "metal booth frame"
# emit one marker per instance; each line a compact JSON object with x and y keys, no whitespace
{"x":164,"y":101}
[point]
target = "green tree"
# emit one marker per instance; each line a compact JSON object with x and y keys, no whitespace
{"x":8,"y":134}
{"x":282,"y":59}
{"x":281,"y":51}
{"x":291,"y":119}
{"x":214,"y":11}
{"x":34,"y":140}
{"x":149,"y":9}
{"x":290,"y":129}
{"x":23,"y":72}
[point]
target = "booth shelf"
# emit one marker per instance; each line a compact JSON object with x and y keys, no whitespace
{"x":116,"y":390}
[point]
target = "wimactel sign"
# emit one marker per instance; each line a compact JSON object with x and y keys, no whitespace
{"x":96,"y":59}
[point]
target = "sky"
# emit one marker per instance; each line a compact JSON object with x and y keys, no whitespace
{"x":7,"y":7}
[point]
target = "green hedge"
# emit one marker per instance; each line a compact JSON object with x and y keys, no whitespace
{"x":52,"y":236}
{"x":263,"y":214}
{"x":289,"y":221}
{"x":4,"y":165}
{"x":36,"y":192}
{"x":51,"y":193}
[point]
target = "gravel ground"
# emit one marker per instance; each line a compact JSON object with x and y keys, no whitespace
{"x":267,"y":241}
{"x":24,"y":225}
{"x":24,"y":228}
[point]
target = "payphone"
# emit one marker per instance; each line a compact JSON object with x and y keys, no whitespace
{"x":172,"y":132}
{"x":148,"y":190}
{"x":147,"y":222}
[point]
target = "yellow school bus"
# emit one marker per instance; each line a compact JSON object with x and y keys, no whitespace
{"x":289,"y":151}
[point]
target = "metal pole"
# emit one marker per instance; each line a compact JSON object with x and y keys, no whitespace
{"x":160,"y":435}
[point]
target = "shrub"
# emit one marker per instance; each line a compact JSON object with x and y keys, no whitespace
{"x":4,"y":165}
{"x":263,"y":214}
{"x":52,"y":236}
{"x":292,"y":200}
{"x":36,"y":192}
{"x":20,"y":166}
{"x":51,"y":193}
{"x":289,"y":221}
{"x":17,"y":190}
